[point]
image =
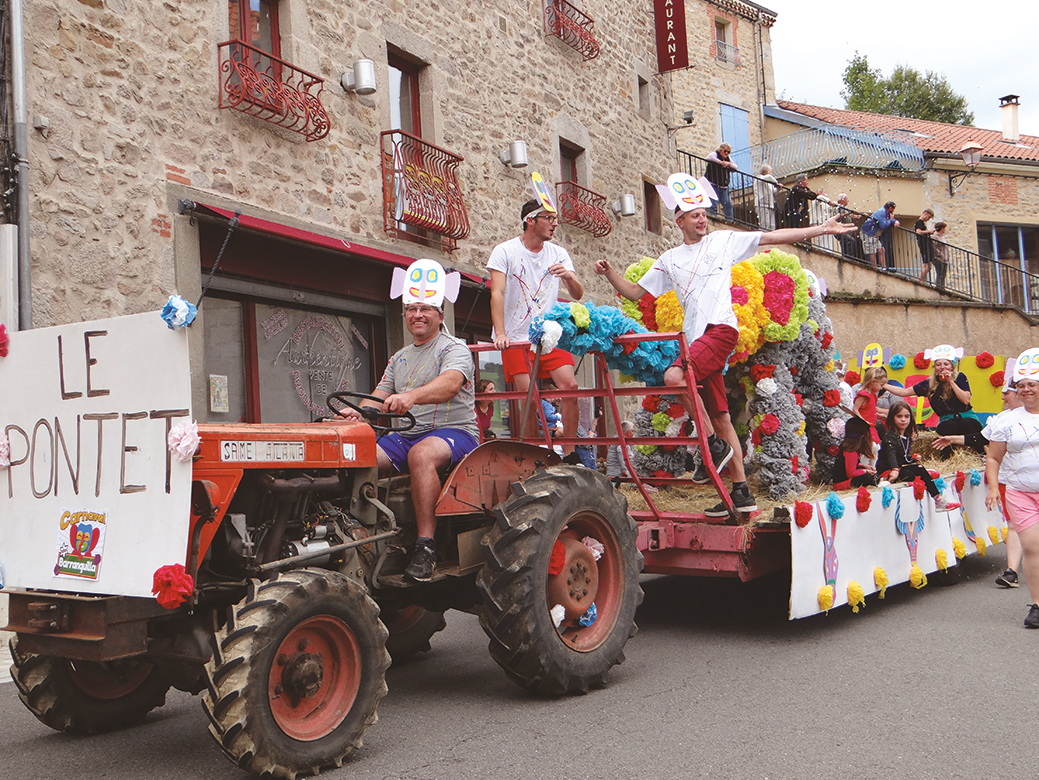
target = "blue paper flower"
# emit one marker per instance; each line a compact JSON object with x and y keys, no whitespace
{"x":940,"y":484}
{"x":589,"y":616}
{"x":536,"y":330}
{"x":897,"y":362}
{"x":178,"y":313}
{"x":975,"y":477}
{"x":887,"y":497}
{"x":835,"y":507}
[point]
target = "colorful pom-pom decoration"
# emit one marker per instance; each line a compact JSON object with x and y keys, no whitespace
{"x":886,"y":497}
{"x":941,"y":559}
{"x":595,"y":546}
{"x":589,"y":616}
{"x":4,"y":340}
{"x":803,"y":513}
{"x":172,"y":585}
{"x":880,"y":580}
{"x":834,"y":506}
{"x":919,"y":361}
{"x":984,"y":360}
{"x":961,"y":480}
{"x":940,"y":484}
{"x":919,"y":488}
{"x":897,"y":362}
{"x":825,"y":598}
{"x":557,"y":560}
{"x":558,"y":612}
{"x":975,"y":477}
{"x":996,"y":378}
{"x":979,"y":542}
{"x":1003,"y":532}
{"x":183,"y":441}
{"x":178,"y":313}
{"x":852,"y":377}
{"x":856,"y":596}
{"x":832,"y":398}
{"x":863,"y":499}
{"x":917,"y":578}
{"x":993,"y":534}
{"x":959,"y":549}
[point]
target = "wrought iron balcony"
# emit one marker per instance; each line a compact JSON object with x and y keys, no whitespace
{"x":727,"y":53}
{"x":572,"y":27}
{"x":582,"y":208}
{"x":259,"y":84}
{"x":420,"y":189}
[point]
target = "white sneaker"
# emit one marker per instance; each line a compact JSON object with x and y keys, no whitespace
{"x":941,"y":505}
{"x":883,"y":483}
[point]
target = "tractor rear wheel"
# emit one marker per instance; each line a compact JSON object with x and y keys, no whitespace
{"x":411,"y":627}
{"x":540,"y":557}
{"x":87,"y":697}
{"x":297,"y":674}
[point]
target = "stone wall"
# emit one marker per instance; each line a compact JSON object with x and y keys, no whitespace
{"x":130,"y":90}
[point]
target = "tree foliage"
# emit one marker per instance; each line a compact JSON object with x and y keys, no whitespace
{"x":906,"y":92}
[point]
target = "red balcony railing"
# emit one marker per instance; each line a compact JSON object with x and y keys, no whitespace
{"x":572,"y":27}
{"x":582,"y":208}
{"x":420,"y":188}
{"x":259,"y":84}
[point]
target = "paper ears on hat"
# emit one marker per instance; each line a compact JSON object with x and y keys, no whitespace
{"x":944,"y":352}
{"x":856,"y":426}
{"x":1027,"y":366}
{"x":542,"y":192}
{"x":425,"y":281}
{"x":818,"y":285}
{"x":684,"y":192}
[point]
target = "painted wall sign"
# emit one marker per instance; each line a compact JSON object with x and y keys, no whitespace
{"x":92,"y":500}
{"x":672,"y":47}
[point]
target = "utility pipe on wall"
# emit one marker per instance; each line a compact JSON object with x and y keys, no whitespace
{"x":21,"y":156}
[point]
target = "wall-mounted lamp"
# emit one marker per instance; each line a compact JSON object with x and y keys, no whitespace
{"x":515,"y":155}
{"x":687,"y":117}
{"x":971,"y":154}
{"x":361,"y":79}
{"x":625,"y":207}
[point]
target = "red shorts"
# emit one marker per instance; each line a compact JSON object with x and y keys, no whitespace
{"x":707,"y":355}
{"x":514,"y":363}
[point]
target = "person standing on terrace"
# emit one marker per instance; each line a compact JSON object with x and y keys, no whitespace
{"x":719,"y":166}
{"x":923,"y":240}
{"x":698,"y":270}
{"x":879,"y":221}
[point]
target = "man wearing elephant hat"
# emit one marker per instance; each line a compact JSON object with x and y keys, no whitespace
{"x":699,"y":271}
{"x":433,"y":379}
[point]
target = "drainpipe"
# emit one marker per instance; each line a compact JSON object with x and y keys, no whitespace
{"x":21,"y":156}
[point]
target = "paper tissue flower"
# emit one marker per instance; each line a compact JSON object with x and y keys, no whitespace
{"x":919,"y":488}
{"x":4,"y":339}
{"x":580,"y":314}
{"x":856,"y":596}
{"x":975,"y":477}
{"x":558,"y":612}
{"x":996,"y":378}
{"x":183,"y":441}
{"x":993,"y":534}
{"x":589,"y":616}
{"x":172,"y":585}
{"x":881,"y":581}
{"x":919,"y":361}
{"x":766,"y":386}
{"x":769,"y":424}
{"x":917,"y":578}
{"x":961,"y":480}
{"x":835,"y":506}
{"x":959,"y":548}
{"x":897,"y":362}
{"x":863,"y":499}
{"x":940,"y":484}
{"x":835,"y":425}
{"x":825,"y":598}
{"x":832,"y":398}
{"x":595,"y":546}
{"x":941,"y":559}
{"x":886,"y":497}
{"x":803,"y":513}
{"x":5,"y":451}
{"x":984,"y":360}
{"x":852,"y":377}
{"x":979,"y":542}
{"x":557,"y":560}
{"x":178,"y":313}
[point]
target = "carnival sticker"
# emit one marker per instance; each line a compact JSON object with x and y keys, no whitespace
{"x":81,"y":541}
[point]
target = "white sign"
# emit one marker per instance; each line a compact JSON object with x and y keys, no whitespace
{"x":92,"y":501}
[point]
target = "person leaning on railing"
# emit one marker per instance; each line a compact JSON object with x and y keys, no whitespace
{"x":939,"y":254}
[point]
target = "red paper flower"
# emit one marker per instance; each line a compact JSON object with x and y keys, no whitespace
{"x":831,"y":398}
{"x":996,"y":378}
{"x":803,"y":513}
{"x":792,"y":370}
{"x":3,"y":341}
{"x":648,"y":308}
{"x":799,"y":399}
{"x":833,"y":450}
{"x":827,"y":339}
{"x":557,"y":560}
{"x":172,"y":585}
{"x":660,"y":474}
{"x":651,"y":403}
{"x":769,"y":423}
{"x":920,"y":361}
{"x":863,"y":499}
{"x":740,"y":296}
{"x":961,"y":480}
{"x":755,"y":437}
{"x":984,"y":360}
{"x":918,"y":488}
{"x":761,"y":371}
{"x":675,"y":411}
{"x":852,"y":377}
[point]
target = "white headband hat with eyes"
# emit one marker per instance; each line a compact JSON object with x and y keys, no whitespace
{"x":684,"y":192}
{"x":1027,"y":366}
{"x":944,"y":352}
{"x":425,"y":282}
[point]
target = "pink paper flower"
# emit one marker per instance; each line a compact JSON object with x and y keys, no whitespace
{"x":172,"y":585}
{"x":183,"y":441}
{"x":3,"y":341}
{"x":595,"y":546}
{"x":5,"y":452}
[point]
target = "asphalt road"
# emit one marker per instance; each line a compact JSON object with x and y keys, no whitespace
{"x":937,"y":683}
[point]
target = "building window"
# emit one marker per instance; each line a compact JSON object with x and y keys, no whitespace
{"x":644,"y":96}
{"x":579,"y":206}
{"x":1014,"y":280}
{"x":255,"y":22}
{"x":724,"y":43}
{"x":651,"y":207}
{"x":405,"y":107}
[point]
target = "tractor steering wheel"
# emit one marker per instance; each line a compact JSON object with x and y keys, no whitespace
{"x":369,"y":413}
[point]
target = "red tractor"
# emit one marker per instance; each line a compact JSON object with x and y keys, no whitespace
{"x":297,"y":549}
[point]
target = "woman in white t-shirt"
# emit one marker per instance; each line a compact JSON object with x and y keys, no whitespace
{"x":1013,"y":458}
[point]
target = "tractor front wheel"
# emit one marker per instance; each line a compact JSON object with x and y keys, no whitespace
{"x":297,"y":674}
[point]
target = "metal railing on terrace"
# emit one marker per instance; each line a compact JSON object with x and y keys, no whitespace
{"x":758,"y":204}
{"x":813,"y":147}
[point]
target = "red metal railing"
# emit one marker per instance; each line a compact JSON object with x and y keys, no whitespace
{"x":420,"y":188}
{"x":572,"y":27}
{"x":583,"y":208}
{"x":259,"y":84}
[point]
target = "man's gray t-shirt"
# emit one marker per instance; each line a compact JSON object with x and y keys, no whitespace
{"x":413,"y":367}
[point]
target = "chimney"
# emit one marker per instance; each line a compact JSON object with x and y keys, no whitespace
{"x":1010,"y":105}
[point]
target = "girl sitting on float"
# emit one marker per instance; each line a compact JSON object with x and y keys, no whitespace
{"x":896,"y":464}
{"x":853,"y":465}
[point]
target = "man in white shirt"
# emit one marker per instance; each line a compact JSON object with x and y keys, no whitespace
{"x":698,"y":270}
{"x":525,"y":276}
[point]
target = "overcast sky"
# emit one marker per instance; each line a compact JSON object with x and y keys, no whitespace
{"x":995,"y":53}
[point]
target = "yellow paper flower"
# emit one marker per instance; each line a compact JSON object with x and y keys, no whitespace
{"x":941,"y":559}
{"x":1003,"y":533}
{"x":993,"y":534}
{"x":579,"y":312}
{"x":826,"y":598}
{"x":856,"y":597}
{"x":670,"y":317}
{"x":752,"y":316}
{"x":980,"y":542}
{"x":880,"y":579}
{"x":801,"y":428}
{"x":829,"y":366}
{"x":917,"y":578}
{"x":959,"y":548}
